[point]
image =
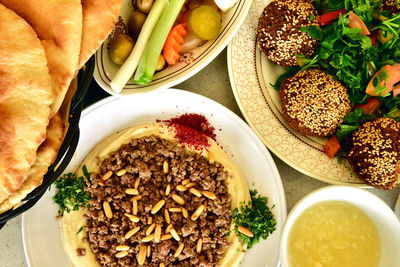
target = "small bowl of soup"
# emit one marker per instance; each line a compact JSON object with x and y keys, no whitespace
{"x":340,"y":226}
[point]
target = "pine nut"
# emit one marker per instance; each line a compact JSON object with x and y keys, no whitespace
{"x":178,"y":199}
{"x":175,"y":234}
{"x":107,"y":210}
{"x":209,"y":194}
{"x":134,"y":207}
{"x":195,"y":192}
{"x":107,"y":175}
{"x":157,"y":206}
{"x":167,"y":190}
{"x":199,"y":245}
{"x":166,"y":215}
{"x":121,"y":254}
{"x":191,"y":184}
{"x":132,"y":191}
{"x":150,"y":220}
{"x":137,"y":181}
{"x":148,"y":238}
{"x":175,"y":209}
{"x":148,"y":251}
{"x":133,"y":218}
{"x":197,"y":213}
{"x":168,"y":229}
{"x":245,"y":231}
{"x":102,"y":183}
{"x":121,"y":172}
{"x":165,"y":166}
{"x":181,"y":188}
{"x":122,"y":248}
{"x":141,"y":258}
{"x":179,"y":250}
{"x":211,"y":158}
{"x":185,"y":213}
{"x":130,"y":233}
{"x":139,"y":197}
{"x":157,"y":233}
{"x":165,"y":237}
{"x":150,"y":229}
{"x":186,"y":181}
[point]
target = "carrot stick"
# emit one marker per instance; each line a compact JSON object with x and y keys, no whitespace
{"x":172,"y":45}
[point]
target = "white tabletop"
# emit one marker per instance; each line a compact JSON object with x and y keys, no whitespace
{"x":212,"y":82}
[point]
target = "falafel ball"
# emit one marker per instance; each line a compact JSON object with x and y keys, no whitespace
{"x":313,"y":102}
{"x":393,"y":6}
{"x":375,"y":155}
{"x":279,"y":35}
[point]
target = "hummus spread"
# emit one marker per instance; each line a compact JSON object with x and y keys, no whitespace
{"x":73,"y":221}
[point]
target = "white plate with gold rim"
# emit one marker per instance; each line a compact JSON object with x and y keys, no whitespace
{"x":251,"y":75}
{"x":40,"y":229}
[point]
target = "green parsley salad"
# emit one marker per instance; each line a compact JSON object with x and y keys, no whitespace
{"x":359,"y":45}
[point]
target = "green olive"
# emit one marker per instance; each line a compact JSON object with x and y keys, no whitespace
{"x":135,"y":23}
{"x":121,"y":47}
{"x":204,"y":22}
{"x":160,"y":63}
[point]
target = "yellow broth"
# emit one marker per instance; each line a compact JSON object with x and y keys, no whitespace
{"x":334,"y":233}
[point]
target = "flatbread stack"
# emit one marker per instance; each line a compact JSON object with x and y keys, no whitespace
{"x":43,"y":45}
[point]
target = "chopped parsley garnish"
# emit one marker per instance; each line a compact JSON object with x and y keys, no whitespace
{"x":81,"y":229}
{"x":351,"y":122}
{"x":71,"y":194}
{"x":256,"y":217}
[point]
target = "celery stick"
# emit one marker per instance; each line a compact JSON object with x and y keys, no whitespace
{"x":147,"y":65}
{"x":129,"y":66}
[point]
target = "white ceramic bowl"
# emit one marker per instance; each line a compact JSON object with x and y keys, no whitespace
{"x":190,"y":63}
{"x":385,"y":220}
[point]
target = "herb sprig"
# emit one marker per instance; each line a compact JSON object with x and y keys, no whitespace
{"x":256,"y":217}
{"x":71,"y":194}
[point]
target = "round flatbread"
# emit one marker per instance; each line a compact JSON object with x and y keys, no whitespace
{"x":46,"y":155}
{"x":98,"y":21}
{"x":25,"y":98}
{"x":58,"y":24}
{"x":71,"y":222}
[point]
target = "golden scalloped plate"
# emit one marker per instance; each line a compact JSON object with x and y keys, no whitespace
{"x":250,"y":75}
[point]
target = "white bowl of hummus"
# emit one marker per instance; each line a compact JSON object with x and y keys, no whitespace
{"x":340,"y":226}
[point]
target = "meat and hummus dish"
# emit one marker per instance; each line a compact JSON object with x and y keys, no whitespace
{"x":155,"y":202}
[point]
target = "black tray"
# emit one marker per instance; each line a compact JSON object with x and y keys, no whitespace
{"x":67,"y":148}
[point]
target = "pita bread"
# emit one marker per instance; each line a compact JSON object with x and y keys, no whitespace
{"x":46,"y":155}
{"x":98,"y":21}
{"x":25,"y":98}
{"x":58,"y":24}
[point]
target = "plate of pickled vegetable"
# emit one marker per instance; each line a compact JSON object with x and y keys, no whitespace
{"x":158,"y":44}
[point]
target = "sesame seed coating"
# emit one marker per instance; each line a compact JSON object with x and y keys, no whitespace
{"x":279,"y":35}
{"x":375,"y":154}
{"x":392,"y":5}
{"x":313,"y":102}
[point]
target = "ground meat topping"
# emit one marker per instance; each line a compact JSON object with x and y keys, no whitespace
{"x":313,"y":102}
{"x":279,"y":35}
{"x":166,"y":205}
{"x":375,"y":154}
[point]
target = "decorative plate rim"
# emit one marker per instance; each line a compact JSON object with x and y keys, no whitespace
{"x":244,"y":38}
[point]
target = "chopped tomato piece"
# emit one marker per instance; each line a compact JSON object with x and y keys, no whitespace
{"x":332,"y":147}
{"x":357,"y":22}
{"x":327,"y":18}
{"x":384,"y":80}
{"x":373,"y":39}
{"x":396,"y":90}
{"x":372,"y":105}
